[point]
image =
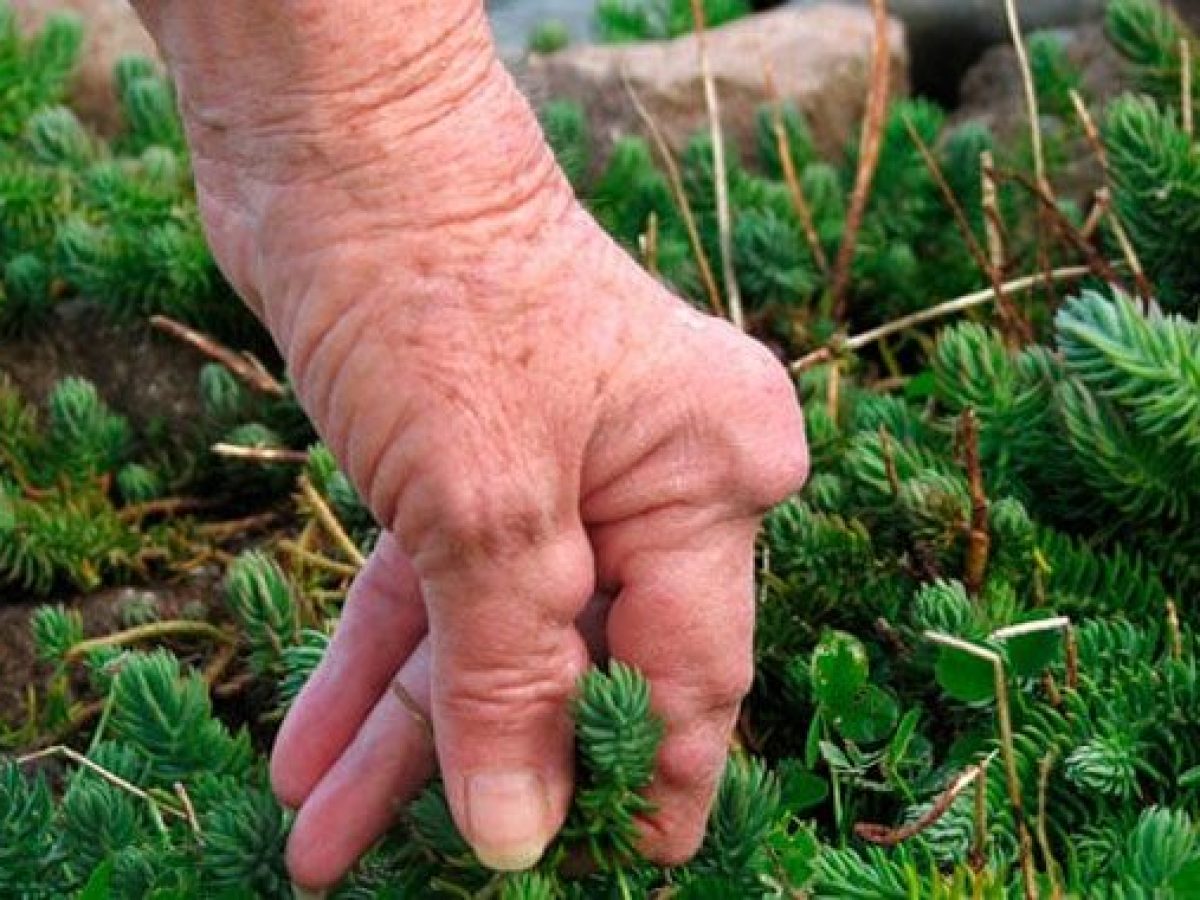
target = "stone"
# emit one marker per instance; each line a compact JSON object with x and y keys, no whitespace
{"x":819,"y":57}
{"x":946,"y":37}
{"x":112,"y":31}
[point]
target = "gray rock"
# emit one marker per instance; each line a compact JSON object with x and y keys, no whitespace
{"x":819,"y":56}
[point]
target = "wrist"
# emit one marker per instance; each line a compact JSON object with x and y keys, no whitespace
{"x":316,"y":129}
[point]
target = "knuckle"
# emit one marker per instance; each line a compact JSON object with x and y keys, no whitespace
{"x":777,"y":442}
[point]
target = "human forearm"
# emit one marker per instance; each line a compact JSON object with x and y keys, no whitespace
{"x":319,"y":113}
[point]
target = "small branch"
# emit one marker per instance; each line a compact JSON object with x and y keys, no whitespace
{"x":261,"y":454}
{"x":1174,"y":631}
{"x":649,"y":244}
{"x":330,"y":522}
{"x":1036,"y":626}
{"x":1031,"y":101}
{"x":947,"y":308}
{"x":720,"y":172}
{"x":220,"y":663}
{"x":1007,"y":749}
{"x":189,"y":811}
{"x":223,"y":531}
{"x":318,"y":560}
{"x":978,"y":853}
{"x":1071,"y":658}
{"x":685,"y":208}
{"x":1100,"y":203}
{"x":168,"y":506}
{"x":151,"y":632}
{"x":993,"y":223}
{"x":1091,"y":132}
{"x":979,"y":537}
{"x":1052,"y":868}
{"x":992,"y":271}
{"x":245,"y":367}
{"x":111,"y":777}
{"x":1131,"y":258}
{"x":868,"y":158}
{"x":892,"y":837}
{"x":790,"y":176}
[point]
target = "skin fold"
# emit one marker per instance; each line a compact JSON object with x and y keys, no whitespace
{"x":533,"y":418}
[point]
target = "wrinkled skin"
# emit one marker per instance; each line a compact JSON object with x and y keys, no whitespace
{"x":533,"y":418}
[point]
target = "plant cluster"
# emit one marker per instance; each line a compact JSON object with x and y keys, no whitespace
{"x":977,"y":652}
{"x":113,"y":221}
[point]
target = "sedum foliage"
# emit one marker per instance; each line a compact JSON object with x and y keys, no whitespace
{"x":1027,"y":502}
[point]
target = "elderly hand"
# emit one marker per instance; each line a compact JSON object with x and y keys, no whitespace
{"x":531,"y":416}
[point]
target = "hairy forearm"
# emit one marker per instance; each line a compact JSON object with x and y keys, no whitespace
{"x":309,"y":111}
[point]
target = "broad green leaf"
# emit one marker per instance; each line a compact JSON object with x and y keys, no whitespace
{"x":839,"y":668}
{"x":869,"y":718}
{"x":965,"y":677}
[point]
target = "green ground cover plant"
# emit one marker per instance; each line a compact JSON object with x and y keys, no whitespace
{"x":977,"y":652}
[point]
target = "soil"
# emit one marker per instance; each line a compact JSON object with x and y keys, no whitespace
{"x":103,"y":613}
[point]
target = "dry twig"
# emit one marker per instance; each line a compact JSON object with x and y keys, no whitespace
{"x":244,"y":366}
{"x":675,"y":180}
{"x":868,"y":158}
{"x":949,"y":307}
{"x":330,"y":522}
{"x":269,"y":455}
{"x":979,"y":537}
{"x":733,"y":294}
{"x":886,"y":836}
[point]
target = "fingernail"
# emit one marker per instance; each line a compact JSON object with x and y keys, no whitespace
{"x":300,"y":893}
{"x":507,"y":814}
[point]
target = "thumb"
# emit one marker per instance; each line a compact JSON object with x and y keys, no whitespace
{"x":506,"y":656}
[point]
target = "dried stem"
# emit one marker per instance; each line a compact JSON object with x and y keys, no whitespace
{"x":180,"y":628}
{"x":189,"y":811}
{"x":978,"y":854}
{"x":244,"y":366}
{"x":1131,"y":258}
{"x":947,"y":308}
{"x":886,"y":836}
{"x":677,"y":190}
{"x":168,"y":506}
{"x":1007,"y":750}
{"x":1174,"y":631}
{"x":270,"y":455}
{"x":1031,"y":101}
{"x":720,"y":173}
{"x":330,"y":522}
{"x":320,"y":561}
{"x":111,"y":777}
{"x":979,"y":537}
{"x":791,"y":177}
{"x":1071,"y":658}
{"x":993,"y":271}
{"x":868,"y":158}
{"x":1090,"y":131}
{"x":1044,"y":768}
{"x":993,"y":222}
{"x":649,"y":244}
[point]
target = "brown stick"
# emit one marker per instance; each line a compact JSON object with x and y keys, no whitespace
{"x":685,"y":208}
{"x":1008,"y":315}
{"x":244,"y":367}
{"x":733,"y":294}
{"x":868,"y":159}
{"x":330,"y":522}
{"x":790,"y":176}
{"x":261,"y":454}
{"x":885,"y":836}
{"x":168,"y":506}
{"x":947,"y":308}
{"x":152,"y":632}
{"x":979,"y":537}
